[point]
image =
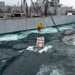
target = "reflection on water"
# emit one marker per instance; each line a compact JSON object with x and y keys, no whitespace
{"x":19,"y":55}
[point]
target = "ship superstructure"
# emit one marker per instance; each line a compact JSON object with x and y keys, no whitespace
{"x":44,"y":11}
{"x":45,"y":8}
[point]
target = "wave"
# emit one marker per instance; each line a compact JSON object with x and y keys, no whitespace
{"x":21,"y":35}
{"x":50,"y":70}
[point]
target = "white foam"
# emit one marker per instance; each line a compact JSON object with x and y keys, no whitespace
{"x":49,"y":70}
{"x":8,"y":37}
{"x":13,"y":37}
{"x":45,"y":49}
{"x":69,"y":40}
{"x":30,"y":48}
{"x":65,"y":28}
{"x":48,"y":30}
{"x":4,"y":61}
{"x":54,"y":30}
{"x":21,"y":51}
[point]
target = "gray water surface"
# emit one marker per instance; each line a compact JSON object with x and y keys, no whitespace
{"x":19,"y":56}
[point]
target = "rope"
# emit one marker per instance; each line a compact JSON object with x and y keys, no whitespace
{"x":5,"y":26}
{"x":26,"y":24}
{"x":55,"y":24}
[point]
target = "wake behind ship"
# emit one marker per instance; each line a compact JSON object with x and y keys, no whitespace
{"x":43,"y":11}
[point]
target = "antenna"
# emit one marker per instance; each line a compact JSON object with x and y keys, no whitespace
{"x":17,"y":3}
{"x":21,"y":6}
{"x":26,"y":9}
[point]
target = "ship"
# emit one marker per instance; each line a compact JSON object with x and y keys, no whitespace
{"x":50,"y":13}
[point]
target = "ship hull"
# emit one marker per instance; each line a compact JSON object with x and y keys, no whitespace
{"x":14,"y":25}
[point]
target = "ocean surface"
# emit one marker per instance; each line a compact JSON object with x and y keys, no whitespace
{"x":19,"y":55}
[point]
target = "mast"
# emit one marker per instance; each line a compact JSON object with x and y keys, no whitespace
{"x":45,"y":2}
{"x":24,"y":6}
{"x":55,"y":7}
{"x":46,"y":7}
{"x":34,"y":7}
{"x":21,"y":6}
{"x":26,"y":9}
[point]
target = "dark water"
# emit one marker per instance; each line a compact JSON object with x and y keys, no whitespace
{"x":18,"y":55}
